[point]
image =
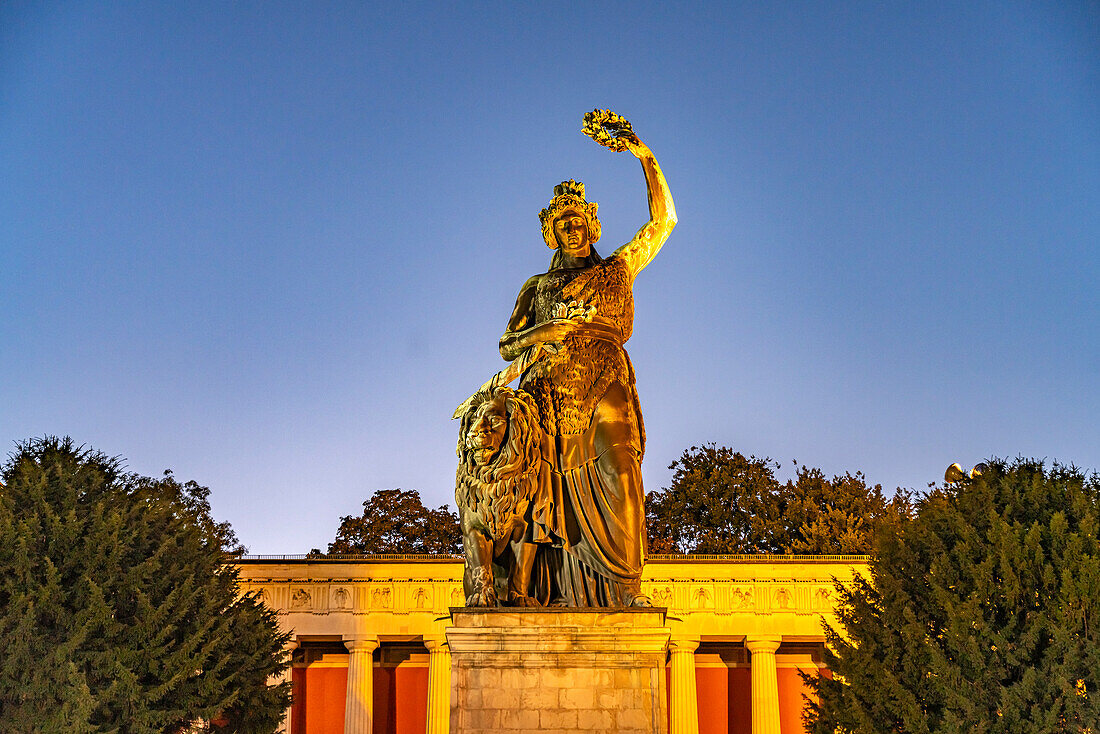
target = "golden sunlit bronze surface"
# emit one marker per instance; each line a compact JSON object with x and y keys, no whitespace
{"x":581,"y":542}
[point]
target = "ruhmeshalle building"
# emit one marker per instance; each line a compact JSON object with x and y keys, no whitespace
{"x":370,"y":652}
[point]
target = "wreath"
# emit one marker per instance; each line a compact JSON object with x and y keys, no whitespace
{"x":607,"y":129}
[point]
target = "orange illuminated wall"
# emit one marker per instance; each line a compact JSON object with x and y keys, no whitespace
{"x":793,"y":691}
{"x":740,"y":701}
{"x":400,"y":695}
{"x":723,"y":681}
{"x":712,"y":689}
{"x":319,"y":691}
{"x":724,"y":695}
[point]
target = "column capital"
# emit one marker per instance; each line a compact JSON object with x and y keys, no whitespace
{"x":763,"y":643}
{"x":361,"y":644}
{"x":683,"y":644}
{"x":291,"y":645}
{"x":436,"y":644}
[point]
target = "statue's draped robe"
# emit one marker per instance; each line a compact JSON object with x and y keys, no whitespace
{"x":601,"y":563}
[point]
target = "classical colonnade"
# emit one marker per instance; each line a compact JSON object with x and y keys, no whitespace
{"x":756,"y":603}
{"x":683,"y":697}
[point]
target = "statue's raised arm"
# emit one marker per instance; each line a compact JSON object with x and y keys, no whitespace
{"x":615,"y":132}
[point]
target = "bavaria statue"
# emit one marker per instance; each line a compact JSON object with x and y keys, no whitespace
{"x":549,"y":483}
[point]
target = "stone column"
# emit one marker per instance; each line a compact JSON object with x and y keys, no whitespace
{"x":359,"y":704}
{"x":439,"y":685}
{"x":765,"y":685}
{"x":684,"y":711}
{"x":290,"y":647}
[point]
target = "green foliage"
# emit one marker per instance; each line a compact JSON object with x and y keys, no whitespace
{"x":118,"y":610}
{"x":722,"y":502}
{"x":981,"y":615}
{"x":396,"y":521}
{"x":838,"y":515}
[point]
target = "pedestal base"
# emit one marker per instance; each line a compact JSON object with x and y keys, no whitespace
{"x":560,"y":670}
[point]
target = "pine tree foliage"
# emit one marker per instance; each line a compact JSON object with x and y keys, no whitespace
{"x":721,"y":501}
{"x":118,"y":609}
{"x":396,"y":521}
{"x":838,"y":515}
{"x":980,"y":615}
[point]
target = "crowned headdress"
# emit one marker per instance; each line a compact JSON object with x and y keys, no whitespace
{"x":568,"y":195}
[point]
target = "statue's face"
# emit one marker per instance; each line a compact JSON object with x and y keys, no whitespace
{"x":571,"y":231}
{"x":486,"y":432}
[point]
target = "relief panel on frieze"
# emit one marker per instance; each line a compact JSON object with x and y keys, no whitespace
{"x":742,"y":598}
{"x":421,"y":597}
{"x":661,"y":595}
{"x":702,"y":597}
{"x":381,"y":597}
{"x":341,"y":598}
{"x":301,"y":599}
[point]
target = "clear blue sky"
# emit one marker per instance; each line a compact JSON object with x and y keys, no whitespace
{"x":272,"y":245}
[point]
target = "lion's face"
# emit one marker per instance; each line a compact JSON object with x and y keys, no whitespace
{"x":487,"y":428}
{"x":500,"y":461}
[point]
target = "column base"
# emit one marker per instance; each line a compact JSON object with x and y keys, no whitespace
{"x":561,"y":670}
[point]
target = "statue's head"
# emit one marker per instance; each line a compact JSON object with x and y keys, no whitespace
{"x":570,"y":216}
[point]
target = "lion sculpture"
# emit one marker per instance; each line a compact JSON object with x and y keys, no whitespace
{"x":500,"y":479}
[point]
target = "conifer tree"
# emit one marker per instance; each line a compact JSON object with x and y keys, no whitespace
{"x":980,"y":615}
{"x":119,"y":609}
{"x":838,"y":515}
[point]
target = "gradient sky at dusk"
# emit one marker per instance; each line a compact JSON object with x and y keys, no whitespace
{"x":271,"y":246}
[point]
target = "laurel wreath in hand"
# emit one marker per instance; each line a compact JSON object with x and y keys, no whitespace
{"x":607,"y":129}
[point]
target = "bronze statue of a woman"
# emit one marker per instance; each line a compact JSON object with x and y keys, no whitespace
{"x":582,"y":310}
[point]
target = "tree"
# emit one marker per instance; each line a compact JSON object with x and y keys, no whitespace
{"x":838,"y":515}
{"x":982,"y":614}
{"x":396,"y":521}
{"x":119,"y":604}
{"x":722,"y":502}
{"x":718,"y":503}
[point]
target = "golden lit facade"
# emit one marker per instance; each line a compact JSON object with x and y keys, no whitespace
{"x":370,"y":652}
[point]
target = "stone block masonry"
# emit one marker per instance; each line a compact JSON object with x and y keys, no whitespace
{"x":560,"y":670}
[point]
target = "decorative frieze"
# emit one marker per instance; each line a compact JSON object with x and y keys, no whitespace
{"x":699,"y":593}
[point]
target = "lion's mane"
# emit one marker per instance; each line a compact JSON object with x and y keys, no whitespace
{"x":504,"y":487}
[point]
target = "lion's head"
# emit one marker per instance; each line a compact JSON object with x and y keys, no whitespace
{"x":499,"y":449}
{"x":488,"y":424}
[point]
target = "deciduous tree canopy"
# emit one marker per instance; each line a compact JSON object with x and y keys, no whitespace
{"x":982,"y":614}
{"x":396,"y":521}
{"x":719,"y":502}
{"x":723,"y":502}
{"x":118,"y":611}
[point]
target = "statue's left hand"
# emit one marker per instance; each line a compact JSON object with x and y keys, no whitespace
{"x":633,"y":143}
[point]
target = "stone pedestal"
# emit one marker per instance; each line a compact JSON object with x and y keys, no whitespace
{"x":560,"y":670}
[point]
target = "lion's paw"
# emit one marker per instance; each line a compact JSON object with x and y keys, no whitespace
{"x":483,"y":598}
